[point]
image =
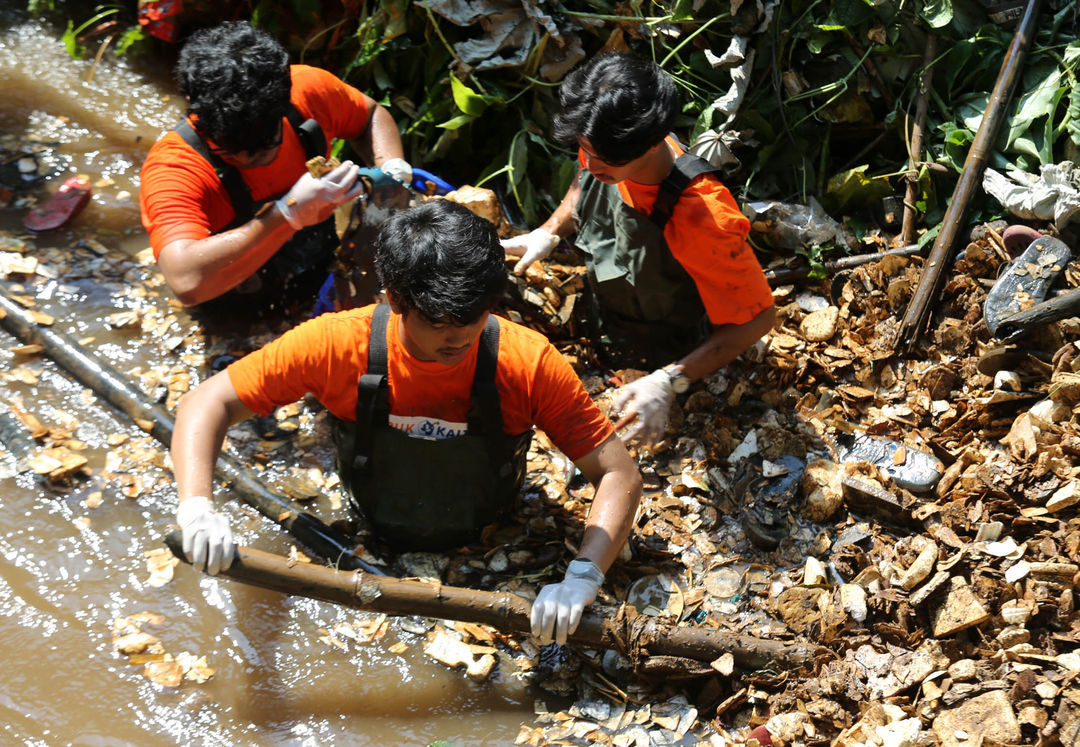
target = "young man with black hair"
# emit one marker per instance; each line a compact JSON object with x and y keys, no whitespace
{"x":673,"y":278}
{"x":234,"y":215}
{"x":434,"y":401}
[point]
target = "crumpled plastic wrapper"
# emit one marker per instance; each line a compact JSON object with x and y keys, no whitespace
{"x":511,"y":29}
{"x":790,"y":226}
{"x":1052,"y":195}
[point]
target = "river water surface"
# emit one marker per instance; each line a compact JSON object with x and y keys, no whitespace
{"x":72,"y":552}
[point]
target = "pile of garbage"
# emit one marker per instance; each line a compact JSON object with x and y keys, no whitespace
{"x":911,"y":518}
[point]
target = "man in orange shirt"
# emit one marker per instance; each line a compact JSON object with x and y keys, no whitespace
{"x":434,"y":401}
{"x":672,"y":275}
{"x":233,"y":215}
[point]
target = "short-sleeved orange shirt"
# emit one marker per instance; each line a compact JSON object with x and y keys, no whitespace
{"x":182,"y":198}
{"x":326,"y":356}
{"x":707,"y":234}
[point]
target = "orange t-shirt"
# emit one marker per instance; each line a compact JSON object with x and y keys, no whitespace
{"x":326,"y":356}
{"x":707,"y":234}
{"x":182,"y":198}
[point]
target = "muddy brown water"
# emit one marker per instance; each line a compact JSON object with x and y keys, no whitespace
{"x":68,"y":569}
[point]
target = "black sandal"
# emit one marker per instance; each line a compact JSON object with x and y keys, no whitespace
{"x":1025,"y":281}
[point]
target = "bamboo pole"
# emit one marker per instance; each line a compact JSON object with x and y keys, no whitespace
{"x":155,"y":420}
{"x":635,"y":635}
{"x":932,"y":281}
{"x":915,"y":152}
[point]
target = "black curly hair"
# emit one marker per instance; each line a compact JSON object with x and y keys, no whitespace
{"x":623,"y":105}
{"x":236,"y":79}
{"x":441,"y":260}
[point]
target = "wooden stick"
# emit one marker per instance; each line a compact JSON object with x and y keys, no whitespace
{"x":1059,"y":307}
{"x":635,"y":635}
{"x":907,"y":231}
{"x":932,"y":281}
{"x":152,"y":418}
{"x":788,"y":275}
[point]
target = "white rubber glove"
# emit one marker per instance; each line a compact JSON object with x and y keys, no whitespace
{"x":558,"y":607}
{"x":312,"y":199}
{"x":400,"y":169}
{"x":650,"y":397}
{"x":208,"y":541}
{"x":531,"y":246}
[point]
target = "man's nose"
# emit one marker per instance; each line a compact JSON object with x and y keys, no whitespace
{"x":457,"y":336}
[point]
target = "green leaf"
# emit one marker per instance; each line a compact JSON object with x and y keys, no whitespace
{"x":467,"y":100}
{"x":456,"y":122}
{"x":683,"y":10}
{"x":131,"y":41}
{"x":71,"y":42}
{"x":519,"y":155}
{"x":1072,"y":121}
{"x":565,"y":173}
{"x":854,"y":189}
{"x":396,"y":23}
{"x":929,"y":236}
{"x":937,"y":13}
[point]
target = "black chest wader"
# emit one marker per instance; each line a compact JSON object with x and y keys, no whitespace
{"x":299,"y":267}
{"x":426,"y":494}
{"x":645,"y":308}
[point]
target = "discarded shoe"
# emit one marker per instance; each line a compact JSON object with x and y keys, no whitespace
{"x":767,"y":498}
{"x":1026,"y":280}
{"x":1018,"y":238}
{"x":918,"y":471}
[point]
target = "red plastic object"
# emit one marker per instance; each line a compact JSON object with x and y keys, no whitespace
{"x":61,"y":207}
{"x":762,"y":735}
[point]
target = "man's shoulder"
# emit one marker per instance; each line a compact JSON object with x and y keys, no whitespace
{"x":520,"y":336}
{"x":307,"y":75}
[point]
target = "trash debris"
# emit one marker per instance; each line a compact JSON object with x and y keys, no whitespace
{"x":68,"y":202}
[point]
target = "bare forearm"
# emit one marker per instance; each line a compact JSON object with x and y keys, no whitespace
{"x":561,"y":222}
{"x":381,"y":141}
{"x":203,"y":418}
{"x":614,"y":507}
{"x":725,"y":344}
{"x":197,"y":271}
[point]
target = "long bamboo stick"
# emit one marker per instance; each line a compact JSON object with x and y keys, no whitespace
{"x":915,"y":152}
{"x":933,"y":277}
{"x":155,"y":420}
{"x":635,"y":635}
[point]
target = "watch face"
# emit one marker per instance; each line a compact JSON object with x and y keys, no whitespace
{"x":680,"y":384}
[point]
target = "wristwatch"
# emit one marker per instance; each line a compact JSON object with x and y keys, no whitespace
{"x":680,"y":382}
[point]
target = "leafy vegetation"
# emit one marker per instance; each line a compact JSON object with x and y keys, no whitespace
{"x":830,"y":90}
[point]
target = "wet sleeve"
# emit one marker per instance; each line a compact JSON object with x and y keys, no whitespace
{"x":179,"y":196}
{"x":563,"y":409}
{"x":298,"y":362}
{"x":340,"y":109}
{"x":707,"y":234}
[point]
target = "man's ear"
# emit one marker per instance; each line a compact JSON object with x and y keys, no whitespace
{"x":395,"y":303}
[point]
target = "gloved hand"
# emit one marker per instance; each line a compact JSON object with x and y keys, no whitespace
{"x":312,"y":199}
{"x":558,"y":607}
{"x":207,"y":538}
{"x":531,"y":246}
{"x":650,"y":398}
{"x":400,"y":169}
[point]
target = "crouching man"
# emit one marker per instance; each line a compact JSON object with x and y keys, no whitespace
{"x":434,"y":399}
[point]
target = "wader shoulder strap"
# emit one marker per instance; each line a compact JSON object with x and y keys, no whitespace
{"x":687,"y":167}
{"x":229,"y":176}
{"x":485,"y":413}
{"x":372,"y":391}
{"x":307,"y":130}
